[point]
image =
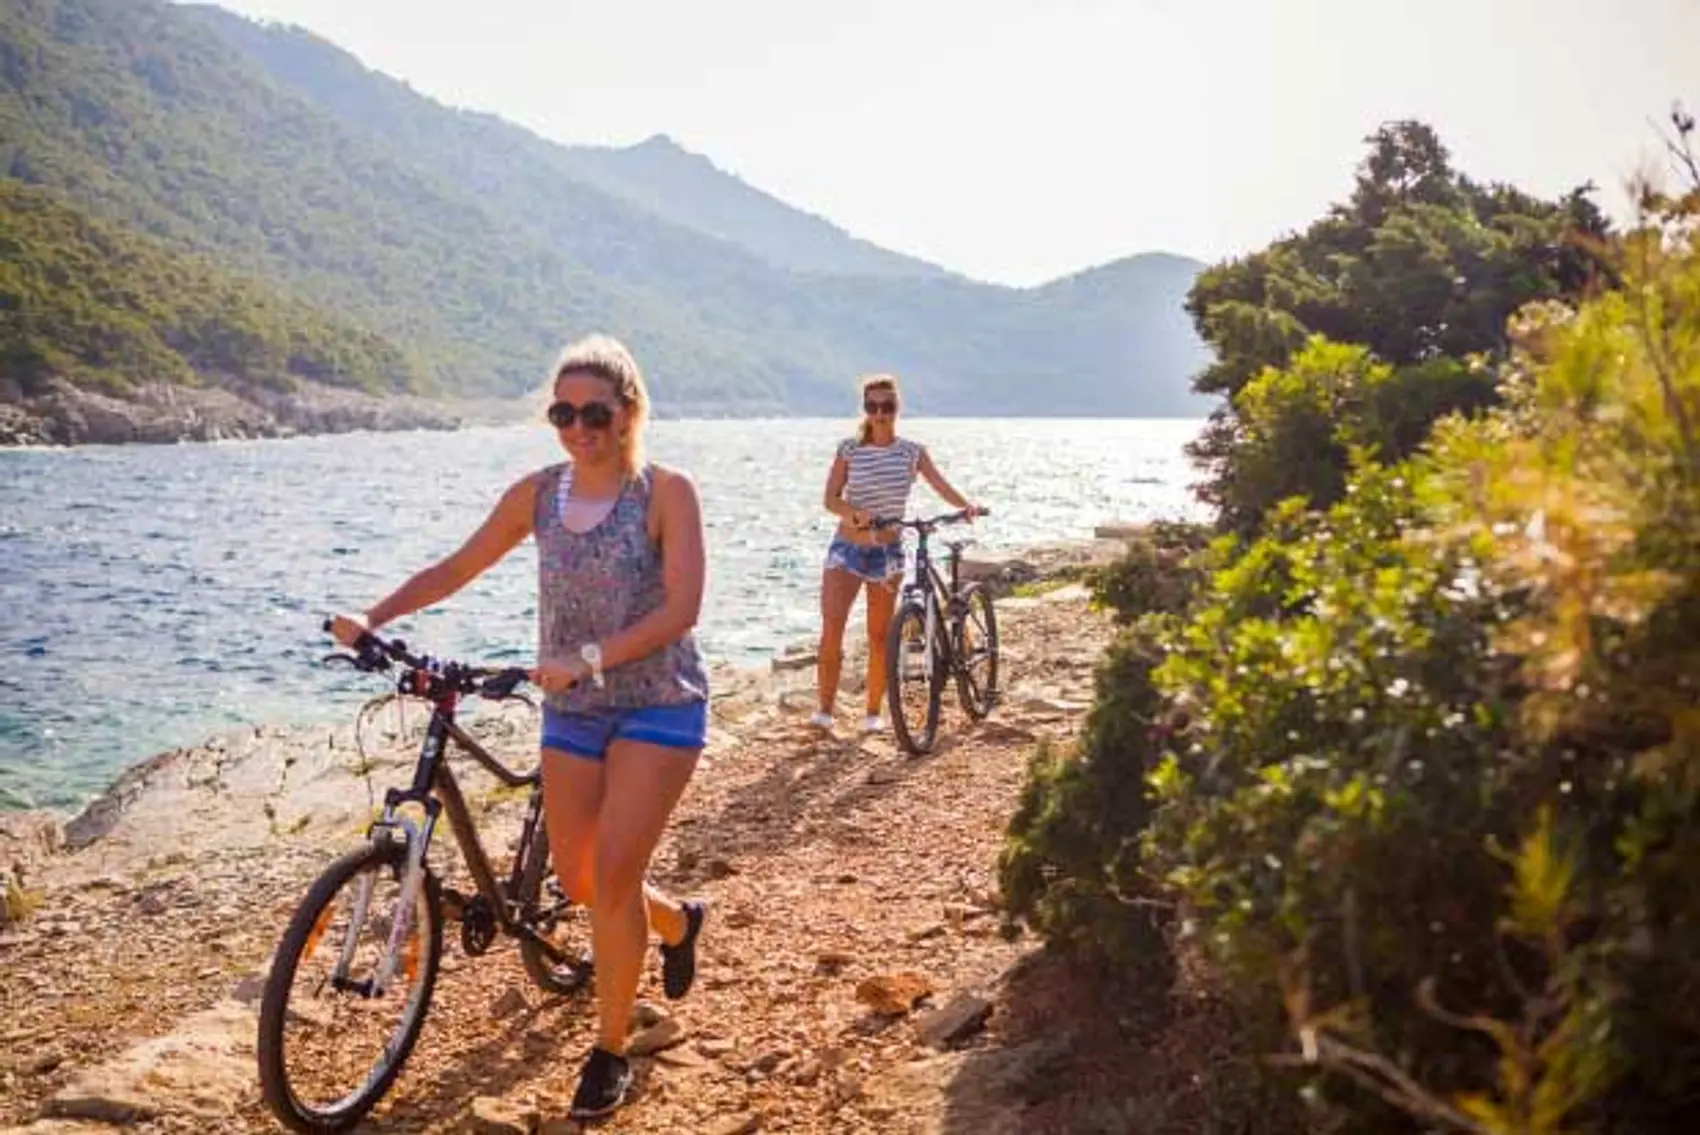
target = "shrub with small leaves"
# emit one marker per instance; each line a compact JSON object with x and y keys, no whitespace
{"x":1159,"y":572}
{"x":1070,"y":865}
{"x":1437,"y":801}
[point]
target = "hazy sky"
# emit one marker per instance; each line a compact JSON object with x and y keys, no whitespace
{"x":1017,"y":140}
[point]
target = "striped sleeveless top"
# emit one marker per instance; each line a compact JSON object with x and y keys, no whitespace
{"x":593,"y":584}
{"x":880,"y":476}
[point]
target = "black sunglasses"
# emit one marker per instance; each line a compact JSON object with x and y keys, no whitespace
{"x":594,"y":415}
{"x":880,"y":406}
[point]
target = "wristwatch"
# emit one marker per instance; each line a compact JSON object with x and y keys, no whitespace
{"x":592,"y":654}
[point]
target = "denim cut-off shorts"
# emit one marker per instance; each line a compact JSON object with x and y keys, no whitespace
{"x":588,"y":734}
{"x":876,"y":563}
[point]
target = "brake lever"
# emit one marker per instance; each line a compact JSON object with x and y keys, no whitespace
{"x":338,"y":656}
{"x":501,"y":687}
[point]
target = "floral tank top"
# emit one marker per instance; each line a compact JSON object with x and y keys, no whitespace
{"x":593,"y":584}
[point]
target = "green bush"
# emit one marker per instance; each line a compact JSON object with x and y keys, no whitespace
{"x":1411,"y":762}
{"x":1438,"y":797}
{"x":1070,"y":867}
{"x":1157,"y":574}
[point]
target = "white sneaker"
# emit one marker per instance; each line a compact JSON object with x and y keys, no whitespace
{"x":873,"y":724}
{"x":821,"y":720}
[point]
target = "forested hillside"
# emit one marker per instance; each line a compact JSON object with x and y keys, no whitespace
{"x":85,"y":301}
{"x":469,"y":244}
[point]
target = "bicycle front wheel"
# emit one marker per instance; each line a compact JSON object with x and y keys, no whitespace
{"x":977,"y":651}
{"x":914,"y":679}
{"x":330,"y":1041}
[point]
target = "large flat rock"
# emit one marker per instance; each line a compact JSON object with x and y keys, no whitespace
{"x":202,"y":1069}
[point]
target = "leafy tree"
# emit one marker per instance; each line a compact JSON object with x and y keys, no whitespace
{"x":1421,"y":264}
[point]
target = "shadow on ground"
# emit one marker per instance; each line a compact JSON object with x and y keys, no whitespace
{"x":1087,"y":1049}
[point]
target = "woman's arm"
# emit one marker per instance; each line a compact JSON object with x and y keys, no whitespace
{"x":684,"y":572}
{"x":508,"y":523}
{"x":834,"y":501}
{"x":941,"y":486}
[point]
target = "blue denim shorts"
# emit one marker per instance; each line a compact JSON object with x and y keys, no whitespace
{"x":683,"y":726}
{"x":876,"y":563}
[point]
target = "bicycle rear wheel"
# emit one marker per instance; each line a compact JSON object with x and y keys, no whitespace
{"x":551,"y":914}
{"x":914,"y":680}
{"x":976,"y":636}
{"x":320,"y":1001}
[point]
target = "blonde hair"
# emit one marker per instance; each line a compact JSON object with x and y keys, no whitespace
{"x":605,"y":357}
{"x":865,"y":432}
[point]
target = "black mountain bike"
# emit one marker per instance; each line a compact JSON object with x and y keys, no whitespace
{"x":940,"y":630}
{"x":366,"y":941}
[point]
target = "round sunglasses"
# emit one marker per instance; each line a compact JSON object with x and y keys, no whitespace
{"x":593,"y":415}
{"x":880,"y":406}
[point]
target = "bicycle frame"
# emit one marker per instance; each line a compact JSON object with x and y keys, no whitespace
{"x":933,"y":592}
{"x":436,"y":790}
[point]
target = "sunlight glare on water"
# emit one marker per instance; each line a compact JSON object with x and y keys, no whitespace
{"x":153,"y":596}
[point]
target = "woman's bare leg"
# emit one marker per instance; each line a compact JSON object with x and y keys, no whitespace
{"x":837,"y":595}
{"x":643,"y":785}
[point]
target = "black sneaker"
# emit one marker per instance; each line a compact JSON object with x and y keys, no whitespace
{"x":679,"y":963}
{"x":602,"y":1086}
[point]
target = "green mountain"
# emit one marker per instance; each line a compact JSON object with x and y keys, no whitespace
{"x":690,"y":190}
{"x":478,"y":247}
{"x":86,"y":301}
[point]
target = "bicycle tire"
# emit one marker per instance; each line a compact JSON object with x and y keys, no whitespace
{"x":557,"y":978}
{"x":977,"y":698}
{"x":914,"y":741}
{"x":279,"y":1094}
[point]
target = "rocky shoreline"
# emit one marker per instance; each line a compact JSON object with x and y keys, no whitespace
{"x":160,"y":413}
{"x":154,"y":912}
{"x":26,"y":835}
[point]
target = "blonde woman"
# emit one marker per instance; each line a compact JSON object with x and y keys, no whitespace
{"x":620,"y":584}
{"x":870,"y":480}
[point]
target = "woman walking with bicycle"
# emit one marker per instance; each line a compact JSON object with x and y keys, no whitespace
{"x":621,"y":569}
{"x":870,"y":479}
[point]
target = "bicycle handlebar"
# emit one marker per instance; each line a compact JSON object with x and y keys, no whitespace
{"x":374,"y":655}
{"x":927,"y":524}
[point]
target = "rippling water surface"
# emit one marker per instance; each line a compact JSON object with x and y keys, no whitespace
{"x":151,"y":596}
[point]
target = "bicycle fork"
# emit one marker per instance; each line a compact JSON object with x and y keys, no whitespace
{"x":401,"y":922}
{"x":418,"y":839}
{"x":928,"y":651}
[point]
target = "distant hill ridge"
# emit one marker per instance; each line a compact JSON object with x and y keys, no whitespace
{"x":471,"y":248}
{"x":688,"y":189}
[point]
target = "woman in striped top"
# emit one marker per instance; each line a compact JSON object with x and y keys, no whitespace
{"x":870,"y":480}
